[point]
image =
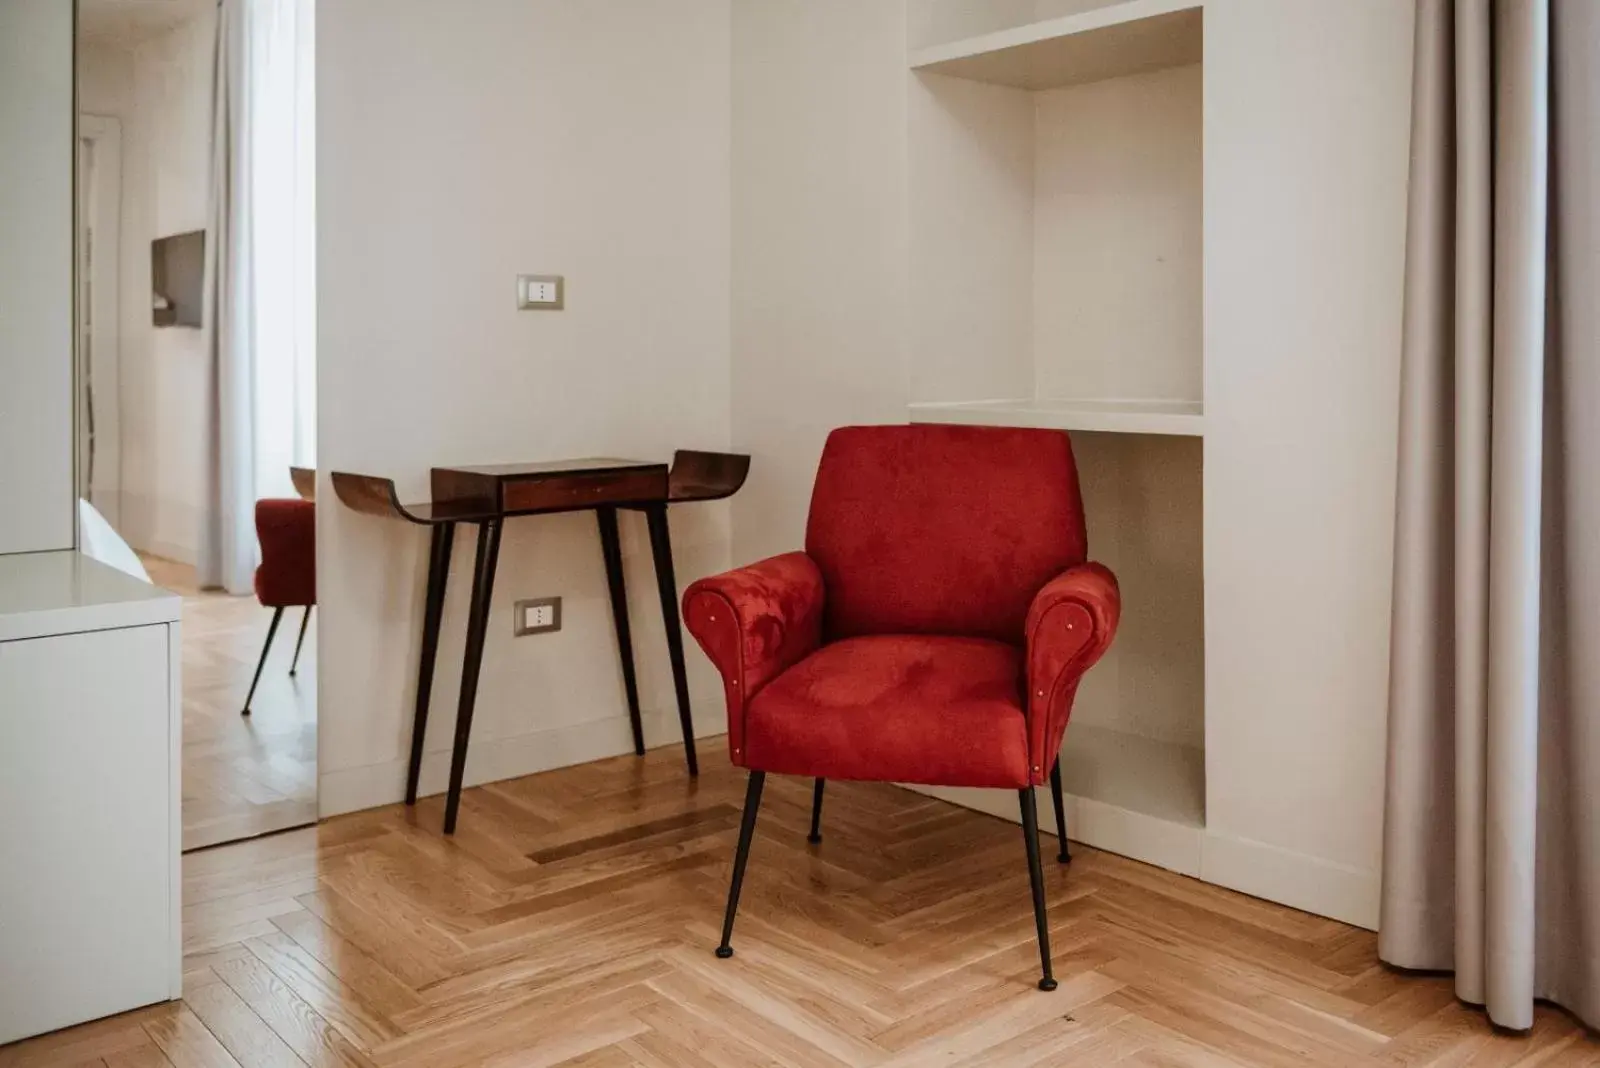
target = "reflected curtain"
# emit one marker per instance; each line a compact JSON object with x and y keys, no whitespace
{"x":228,"y":552}
{"x":1492,"y":820}
{"x":261,"y":274}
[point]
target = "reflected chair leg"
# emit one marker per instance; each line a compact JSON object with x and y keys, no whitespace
{"x":611,"y":549}
{"x":305,"y":621}
{"x":477,"y":630}
{"x":747,"y":828}
{"x":272,"y":628}
{"x":1030,"y":834}
{"x":1065,"y":854}
{"x":661,"y":550}
{"x":816,"y":813}
{"x":443,"y":539}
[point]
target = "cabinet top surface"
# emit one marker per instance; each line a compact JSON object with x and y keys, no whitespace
{"x":42,"y":594}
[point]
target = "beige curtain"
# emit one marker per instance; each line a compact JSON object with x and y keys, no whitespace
{"x":1492,"y":822}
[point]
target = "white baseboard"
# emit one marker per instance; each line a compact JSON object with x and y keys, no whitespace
{"x":353,"y":789}
{"x":1311,"y":884}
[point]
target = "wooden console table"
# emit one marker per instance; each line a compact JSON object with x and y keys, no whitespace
{"x":486,"y":496}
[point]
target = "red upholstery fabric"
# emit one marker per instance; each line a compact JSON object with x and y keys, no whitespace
{"x":942,"y":529}
{"x":1070,"y":624}
{"x":287,"y":530}
{"x":754,"y":623}
{"x":899,"y":708}
{"x":936,"y":627}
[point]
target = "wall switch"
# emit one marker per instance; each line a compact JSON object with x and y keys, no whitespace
{"x":541,"y":615}
{"x":541,"y":292}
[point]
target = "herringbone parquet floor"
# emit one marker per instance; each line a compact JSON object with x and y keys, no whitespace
{"x":571,"y":922}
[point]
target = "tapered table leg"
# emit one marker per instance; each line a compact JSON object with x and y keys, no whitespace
{"x":611,"y":549}
{"x":444,"y":536}
{"x":661,"y":550}
{"x":477,"y":630}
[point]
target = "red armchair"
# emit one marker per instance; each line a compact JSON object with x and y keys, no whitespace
{"x":287,"y":577}
{"x":933,"y":631}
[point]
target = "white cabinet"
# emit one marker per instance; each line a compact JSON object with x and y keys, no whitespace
{"x":89,"y":843}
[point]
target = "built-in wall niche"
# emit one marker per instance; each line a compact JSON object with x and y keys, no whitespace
{"x":1056,"y":221}
{"x":1136,"y":740}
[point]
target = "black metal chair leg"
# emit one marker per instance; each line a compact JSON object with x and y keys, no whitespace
{"x":816,"y":813}
{"x":1065,"y":854}
{"x":661,"y":550}
{"x":444,"y":536}
{"x":747,"y":828}
{"x":305,"y":621}
{"x":611,"y":549}
{"x":1030,"y":834}
{"x":272,"y":628}
{"x":477,"y":629}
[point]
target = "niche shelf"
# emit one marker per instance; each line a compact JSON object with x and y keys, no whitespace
{"x":1105,"y":42}
{"x":1183,"y":418}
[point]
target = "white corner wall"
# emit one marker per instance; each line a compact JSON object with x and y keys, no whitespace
{"x":456,"y":148}
{"x":36,"y":218}
{"x":819,"y":244}
{"x":1307,"y":141}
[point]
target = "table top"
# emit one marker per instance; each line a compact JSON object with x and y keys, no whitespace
{"x":475,"y":492}
{"x":553,"y":468}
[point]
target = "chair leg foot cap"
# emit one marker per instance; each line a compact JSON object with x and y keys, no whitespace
{"x":1047,"y":984}
{"x":1064,"y":858}
{"x":814,"y":839}
{"x":724,"y":952}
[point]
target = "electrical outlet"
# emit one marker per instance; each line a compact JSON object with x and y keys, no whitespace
{"x":541,"y":292}
{"x":540,"y":615}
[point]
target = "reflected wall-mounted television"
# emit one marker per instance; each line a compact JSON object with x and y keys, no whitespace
{"x":177,"y":266}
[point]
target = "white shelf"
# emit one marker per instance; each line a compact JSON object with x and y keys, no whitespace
{"x":1183,"y":418}
{"x":1106,"y":42}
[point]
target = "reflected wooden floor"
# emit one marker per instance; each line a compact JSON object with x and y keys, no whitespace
{"x":243,"y":776}
{"x":571,"y":922}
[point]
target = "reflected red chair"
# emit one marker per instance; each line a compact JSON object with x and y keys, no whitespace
{"x":287,"y":577}
{"x":933,"y":631}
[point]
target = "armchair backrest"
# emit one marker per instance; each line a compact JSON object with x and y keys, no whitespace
{"x":942,"y":529}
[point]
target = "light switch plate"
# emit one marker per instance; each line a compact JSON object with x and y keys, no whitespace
{"x":539,"y":615}
{"x":541,"y":292}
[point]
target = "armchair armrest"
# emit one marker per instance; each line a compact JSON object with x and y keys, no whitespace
{"x":1070,"y":625}
{"x":754,"y":623}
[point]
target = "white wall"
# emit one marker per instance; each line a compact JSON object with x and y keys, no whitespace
{"x":456,"y":148}
{"x":105,"y":78}
{"x":36,"y":248}
{"x":160,"y":87}
{"x":819,"y":244}
{"x":1306,"y":118}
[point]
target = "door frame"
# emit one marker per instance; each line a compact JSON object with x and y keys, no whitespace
{"x":99,"y":326}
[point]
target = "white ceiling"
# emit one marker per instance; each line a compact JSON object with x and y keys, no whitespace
{"x":125,"y":21}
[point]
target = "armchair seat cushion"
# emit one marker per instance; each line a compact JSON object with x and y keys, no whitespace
{"x":897,"y":708}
